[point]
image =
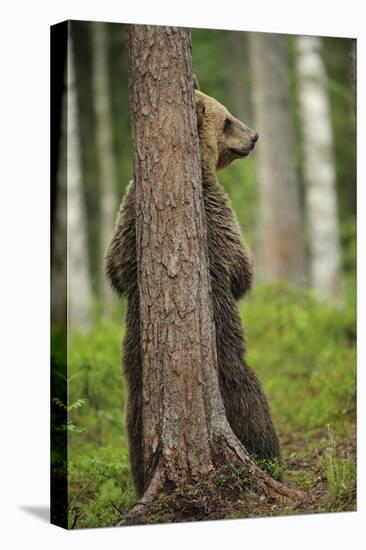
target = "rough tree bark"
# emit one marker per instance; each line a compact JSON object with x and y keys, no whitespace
{"x":281,"y":249}
{"x":186,"y":436}
{"x":78,"y":283}
{"x":319,"y":170}
{"x":108,"y":203}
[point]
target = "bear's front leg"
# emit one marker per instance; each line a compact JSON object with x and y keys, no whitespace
{"x":241,"y":270}
{"x":120,"y":261}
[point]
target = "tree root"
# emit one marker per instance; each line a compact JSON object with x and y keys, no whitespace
{"x":209,"y":499}
{"x":236,"y":455}
{"x":140,"y":511}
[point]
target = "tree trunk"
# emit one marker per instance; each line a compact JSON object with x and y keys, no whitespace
{"x":108,"y":203}
{"x":319,"y":170}
{"x":79,"y":286}
{"x":280,"y":240}
{"x":235,"y":45}
{"x":353,"y":55}
{"x":186,"y":435}
{"x":59,"y":229}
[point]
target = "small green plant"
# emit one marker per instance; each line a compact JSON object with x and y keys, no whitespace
{"x":234,"y":476}
{"x":273,"y":467}
{"x":69,"y":426}
{"x":340,"y":473}
{"x":161,"y":509}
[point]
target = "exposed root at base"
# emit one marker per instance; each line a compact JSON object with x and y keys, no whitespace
{"x":234,"y":454}
{"x":141,"y":510}
{"x":229,"y":492}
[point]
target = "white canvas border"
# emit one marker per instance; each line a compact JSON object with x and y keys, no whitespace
{"x":25,"y":270}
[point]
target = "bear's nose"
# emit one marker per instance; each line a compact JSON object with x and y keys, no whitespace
{"x":255,"y":137}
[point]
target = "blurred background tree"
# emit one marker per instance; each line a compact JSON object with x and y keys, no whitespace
{"x":283,"y":198}
{"x":106,"y":156}
{"x":302,"y":348}
{"x":319,"y":170}
{"x":79,"y":298}
{"x":281,"y":250}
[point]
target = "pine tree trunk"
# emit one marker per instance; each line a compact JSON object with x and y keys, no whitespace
{"x":108,"y":204}
{"x":186,"y":435}
{"x":79,"y":285}
{"x":280,"y":240}
{"x":319,"y":170}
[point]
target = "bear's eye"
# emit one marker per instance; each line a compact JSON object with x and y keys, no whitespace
{"x":227,"y":125}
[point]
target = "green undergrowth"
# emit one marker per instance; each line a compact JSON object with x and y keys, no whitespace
{"x":303,"y":353}
{"x":340,"y":471}
{"x":100,"y":488}
{"x":273,"y":467}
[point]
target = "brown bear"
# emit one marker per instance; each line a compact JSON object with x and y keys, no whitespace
{"x":223,"y":139}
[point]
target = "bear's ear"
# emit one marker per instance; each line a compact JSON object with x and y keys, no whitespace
{"x":200,"y":110}
{"x":195,"y":83}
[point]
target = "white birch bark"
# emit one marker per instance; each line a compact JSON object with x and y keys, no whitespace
{"x":319,"y":170}
{"x":79,"y":285}
{"x":108,"y":204}
{"x":280,"y":236}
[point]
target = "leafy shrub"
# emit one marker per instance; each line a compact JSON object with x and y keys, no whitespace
{"x":303,"y":353}
{"x":95,"y":374}
{"x":100,"y":488}
{"x":99,"y":480}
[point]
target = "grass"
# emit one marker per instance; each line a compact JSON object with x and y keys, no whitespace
{"x":304,"y":354}
{"x":341,"y":475}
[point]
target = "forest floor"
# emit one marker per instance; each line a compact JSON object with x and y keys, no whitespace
{"x":324,"y":470}
{"x":304,"y":354}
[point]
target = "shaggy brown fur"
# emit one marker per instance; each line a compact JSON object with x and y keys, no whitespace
{"x":222,"y":139}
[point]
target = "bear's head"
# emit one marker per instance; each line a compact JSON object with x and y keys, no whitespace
{"x":223,"y":137}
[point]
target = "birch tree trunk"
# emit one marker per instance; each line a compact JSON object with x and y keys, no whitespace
{"x":78,"y":285}
{"x":319,"y":170}
{"x":108,"y":203}
{"x":280,"y":242}
{"x":186,"y":435}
